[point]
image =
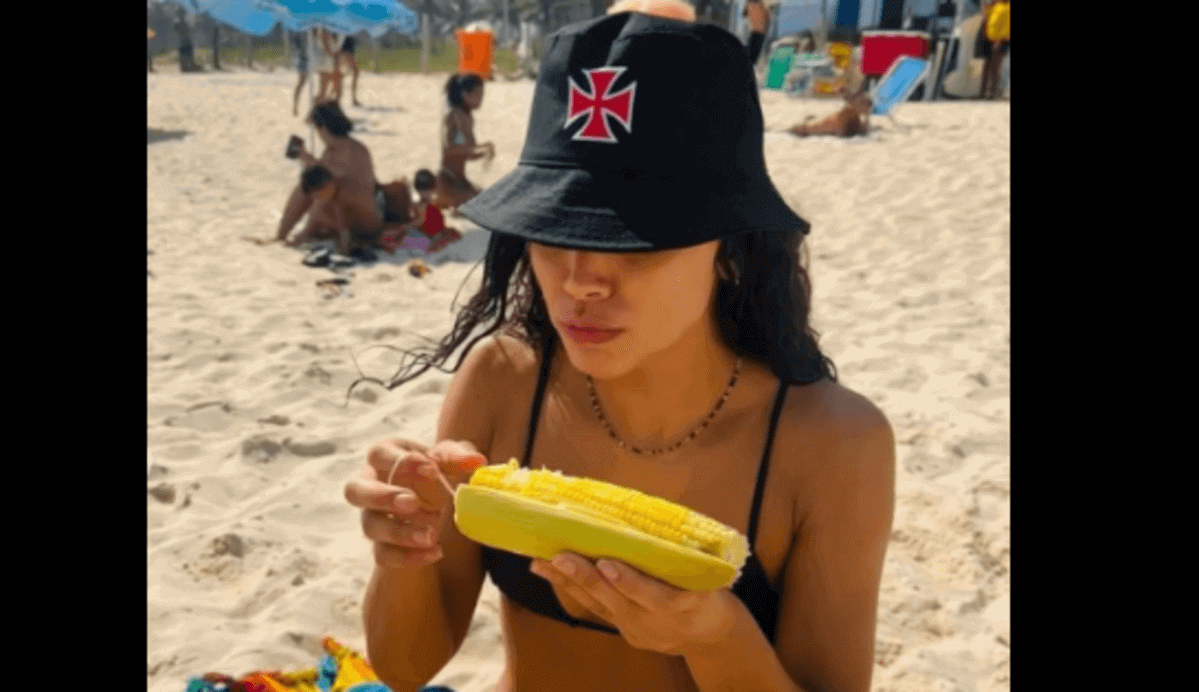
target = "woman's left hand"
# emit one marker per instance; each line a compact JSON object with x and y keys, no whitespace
{"x":649,"y":613}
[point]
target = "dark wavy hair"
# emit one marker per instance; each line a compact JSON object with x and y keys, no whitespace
{"x":458,"y":85}
{"x":330,"y":117}
{"x":763,"y":315}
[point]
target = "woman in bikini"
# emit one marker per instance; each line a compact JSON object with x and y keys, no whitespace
{"x":464,"y":92}
{"x":853,"y":119}
{"x":647,"y":310}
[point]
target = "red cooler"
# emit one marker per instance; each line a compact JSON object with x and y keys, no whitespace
{"x":880,"y":48}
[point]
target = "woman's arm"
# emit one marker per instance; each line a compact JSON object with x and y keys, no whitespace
{"x":747,"y":663}
{"x":829,"y":598}
{"x":758,"y":17}
{"x":416,"y":619}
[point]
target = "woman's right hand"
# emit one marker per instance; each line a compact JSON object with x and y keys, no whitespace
{"x":404,"y":517}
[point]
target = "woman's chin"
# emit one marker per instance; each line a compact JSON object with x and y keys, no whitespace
{"x":600,"y":364}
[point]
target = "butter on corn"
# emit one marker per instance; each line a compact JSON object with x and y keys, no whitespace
{"x":653,"y":515}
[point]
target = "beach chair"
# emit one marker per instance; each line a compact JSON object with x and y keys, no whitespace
{"x":900,"y":80}
{"x":778,"y":67}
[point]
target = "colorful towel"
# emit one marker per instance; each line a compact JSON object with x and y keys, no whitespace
{"x":342,"y":670}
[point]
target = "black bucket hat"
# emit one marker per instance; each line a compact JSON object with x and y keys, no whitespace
{"x":645,"y":134}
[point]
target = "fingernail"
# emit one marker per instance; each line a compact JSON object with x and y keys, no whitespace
{"x":427,"y":472}
{"x":564,"y":566}
{"x":402,"y":502}
{"x":608,"y":570}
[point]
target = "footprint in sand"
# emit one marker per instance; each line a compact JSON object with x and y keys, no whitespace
{"x":260,"y":448}
{"x":309,"y":448}
{"x":206,"y":416}
{"x":924,"y":464}
{"x":364,"y":394}
{"x":163,"y":492}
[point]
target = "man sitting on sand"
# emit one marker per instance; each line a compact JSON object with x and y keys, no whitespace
{"x":853,"y":119}
{"x":357,"y":194}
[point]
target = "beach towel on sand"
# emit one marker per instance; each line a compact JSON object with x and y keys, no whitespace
{"x":342,"y":670}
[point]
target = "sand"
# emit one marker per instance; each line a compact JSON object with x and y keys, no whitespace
{"x":253,"y":554}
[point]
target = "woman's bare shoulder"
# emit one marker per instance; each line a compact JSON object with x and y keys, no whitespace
{"x":831,"y":410}
{"x":492,"y":373}
{"x":825,"y":429}
{"x":505,"y":361}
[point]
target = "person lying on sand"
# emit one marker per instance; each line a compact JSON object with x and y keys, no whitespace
{"x":428,"y":219}
{"x":465,"y":94}
{"x":361,"y":200}
{"x":853,"y":119}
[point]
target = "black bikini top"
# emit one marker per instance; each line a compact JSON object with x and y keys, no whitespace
{"x":510,"y":572}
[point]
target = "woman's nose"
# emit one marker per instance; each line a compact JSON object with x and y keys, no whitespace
{"x":587,"y":276}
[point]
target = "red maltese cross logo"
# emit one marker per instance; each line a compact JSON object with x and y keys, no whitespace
{"x":598,"y":103}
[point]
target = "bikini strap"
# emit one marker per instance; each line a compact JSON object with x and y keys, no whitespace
{"x":764,"y":466}
{"x":547,"y":355}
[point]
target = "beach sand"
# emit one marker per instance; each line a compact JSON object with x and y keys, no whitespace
{"x":253,"y":553}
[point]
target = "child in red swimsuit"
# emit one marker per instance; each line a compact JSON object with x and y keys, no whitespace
{"x":429,"y":221}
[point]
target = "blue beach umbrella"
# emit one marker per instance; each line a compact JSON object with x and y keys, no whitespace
{"x":259,"y":17}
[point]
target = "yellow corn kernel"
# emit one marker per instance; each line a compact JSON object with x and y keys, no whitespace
{"x":653,"y":515}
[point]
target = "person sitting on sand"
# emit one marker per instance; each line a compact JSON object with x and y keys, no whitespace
{"x":326,"y":220}
{"x":358,"y":193}
{"x":464,"y":92}
{"x":428,"y":221}
{"x":852,"y":119}
{"x":642,"y":319}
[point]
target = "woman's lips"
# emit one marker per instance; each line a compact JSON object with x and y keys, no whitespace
{"x":586,"y":335}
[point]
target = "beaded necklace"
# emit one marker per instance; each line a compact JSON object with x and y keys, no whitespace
{"x":621,"y":443}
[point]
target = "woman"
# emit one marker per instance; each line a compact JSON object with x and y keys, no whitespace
{"x":345,"y":55}
{"x":325,"y":65}
{"x":651,"y":318}
{"x":464,"y":93}
{"x":852,"y":119}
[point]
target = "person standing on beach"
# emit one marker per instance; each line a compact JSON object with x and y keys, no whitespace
{"x":759,"y":18}
{"x":997,"y":19}
{"x":325,"y":65}
{"x":642,"y":319}
{"x":464,"y":94}
{"x":345,"y":56}
{"x":187,"y":60}
{"x":300,"y":48}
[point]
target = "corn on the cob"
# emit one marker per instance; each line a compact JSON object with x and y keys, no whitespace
{"x":541,"y":513}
